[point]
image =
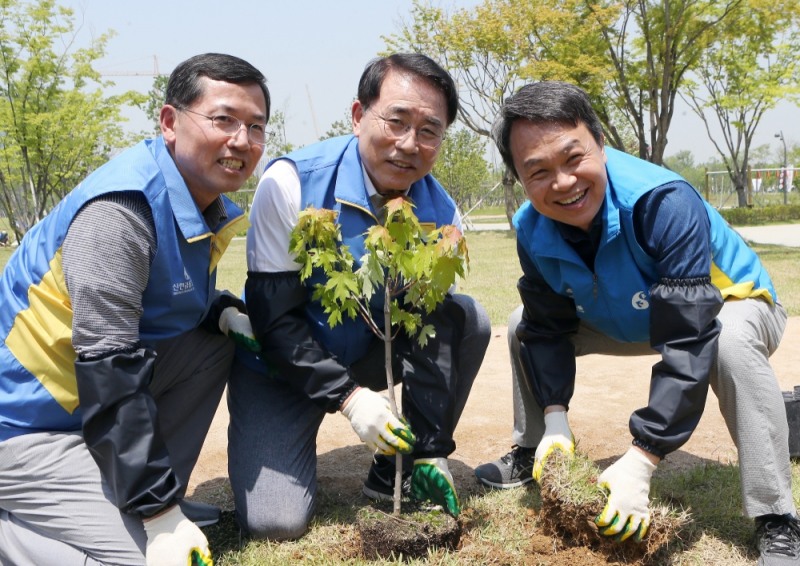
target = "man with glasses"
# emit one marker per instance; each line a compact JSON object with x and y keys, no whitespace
{"x":405,"y":103}
{"x":116,"y":344}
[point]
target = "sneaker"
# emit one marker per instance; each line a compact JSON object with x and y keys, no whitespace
{"x":515,"y":469}
{"x":380,"y":481}
{"x":778,"y":540}
{"x":201,"y":514}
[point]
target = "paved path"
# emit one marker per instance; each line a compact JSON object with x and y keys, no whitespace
{"x":779,"y":234}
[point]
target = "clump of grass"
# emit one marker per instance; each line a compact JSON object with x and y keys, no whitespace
{"x":410,"y":535}
{"x":571,"y":500}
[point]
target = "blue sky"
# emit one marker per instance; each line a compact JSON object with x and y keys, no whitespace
{"x":311,"y":51}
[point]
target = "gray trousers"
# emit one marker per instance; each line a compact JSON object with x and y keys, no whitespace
{"x":749,"y":396}
{"x":54,"y":505}
{"x":272,"y":437}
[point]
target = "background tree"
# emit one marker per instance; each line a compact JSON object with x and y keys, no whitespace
{"x":749,"y":68}
{"x":652,"y":45}
{"x":277,"y":144}
{"x":461,"y":166}
{"x":341,"y":127}
{"x":155,"y":100}
{"x":683,"y":164}
{"x":494,"y":48}
{"x":56,"y":127}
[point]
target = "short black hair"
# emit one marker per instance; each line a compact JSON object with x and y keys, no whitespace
{"x":184,"y":86}
{"x":543,"y":102}
{"x":369,"y":86}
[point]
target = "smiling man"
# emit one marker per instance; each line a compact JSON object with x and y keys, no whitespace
{"x":622,"y":257}
{"x":405,"y":103}
{"x":117,"y":345}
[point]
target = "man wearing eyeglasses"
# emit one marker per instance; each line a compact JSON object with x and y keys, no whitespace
{"x":117,"y":345}
{"x":405,"y":103}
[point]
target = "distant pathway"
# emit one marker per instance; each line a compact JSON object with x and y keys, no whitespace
{"x":778,"y":234}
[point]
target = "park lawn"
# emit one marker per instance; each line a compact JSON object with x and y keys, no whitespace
{"x":502,"y":521}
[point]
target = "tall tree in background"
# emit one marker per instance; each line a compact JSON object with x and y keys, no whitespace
{"x":55,"y":127}
{"x":652,"y":45}
{"x":155,"y":100}
{"x":341,"y":127}
{"x":461,"y":166}
{"x":494,"y":48}
{"x":750,"y":67}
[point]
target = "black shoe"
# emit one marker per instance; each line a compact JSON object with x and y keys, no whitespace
{"x":778,"y":540}
{"x":380,"y":481}
{"x":512,"y":470}
{"x":201,"y":514}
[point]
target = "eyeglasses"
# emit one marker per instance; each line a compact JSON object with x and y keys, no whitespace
{"x":396,"y":128}
{"x":230,"y":126}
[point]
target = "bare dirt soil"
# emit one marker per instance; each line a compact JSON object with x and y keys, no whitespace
{"x":608,"y":390}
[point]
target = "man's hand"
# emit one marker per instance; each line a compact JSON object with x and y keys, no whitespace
{"x":371,"y":417}
{"x":236,"y":326}
{"x":431,"y":481}
{"x":171,"y":539}
{"x":557,"y":436}
{"x":628,"y":484}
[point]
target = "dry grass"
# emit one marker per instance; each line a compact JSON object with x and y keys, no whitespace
{"x":571,"y":500}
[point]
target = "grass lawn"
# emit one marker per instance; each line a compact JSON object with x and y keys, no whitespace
{"x":500,"y":524}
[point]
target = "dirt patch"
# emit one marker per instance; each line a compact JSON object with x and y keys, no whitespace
{"x":608,"y":390}
{"x":408,"y":535}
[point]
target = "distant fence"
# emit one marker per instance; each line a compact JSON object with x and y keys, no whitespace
{"x":765,"y":187}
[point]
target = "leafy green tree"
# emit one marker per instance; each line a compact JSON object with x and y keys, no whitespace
{"x":413,"y":269}
{"x":155,"y":100}
{"x":652,"y":45}
{"x":277,"y":144}
{"x":683,"y":164}
{"x":749,"y":68}
{"x":341,"y":127}
{"x":461,"y":166}
{"x":495,"y":47}
{"x":55,"y":126}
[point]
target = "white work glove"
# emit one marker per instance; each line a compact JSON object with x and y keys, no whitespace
{"x":557,"y":436}
{"x":236,"y":325}
{"x":371,"y":417}
{"x":628,"y":484}
{"x":171,"y":539}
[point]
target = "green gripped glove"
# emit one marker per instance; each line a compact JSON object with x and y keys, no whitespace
{"x":236,"y":326}
{"x":201,"y":558}
{"x":431,"y":481}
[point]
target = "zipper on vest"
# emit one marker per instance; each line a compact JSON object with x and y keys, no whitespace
{"x":594,"y":285}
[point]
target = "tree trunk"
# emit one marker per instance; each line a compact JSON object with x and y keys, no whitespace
{"x":510,"y":197}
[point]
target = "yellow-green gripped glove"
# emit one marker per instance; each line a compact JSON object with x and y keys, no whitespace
{"x":557,"y":436}
{"x":627,"y":482}
{"x":173,"y":540}
{"x":372,"y":419}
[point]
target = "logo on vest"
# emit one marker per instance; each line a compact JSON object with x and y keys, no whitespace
{"x":185,"y":286}
{"x":639,"y":301}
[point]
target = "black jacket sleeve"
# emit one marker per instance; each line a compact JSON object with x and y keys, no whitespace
{"x":276,"y":303}
{"x":119,"y":417}
{"x":673,"y":228}
{"x":547,"y":355}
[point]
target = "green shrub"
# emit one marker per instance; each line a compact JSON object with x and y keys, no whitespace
{"x":776,"y":214}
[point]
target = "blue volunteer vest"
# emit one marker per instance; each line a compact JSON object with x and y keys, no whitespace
{"x":615,"y":298}
{"x":38,"y":390}
{"x":331,"y":177}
